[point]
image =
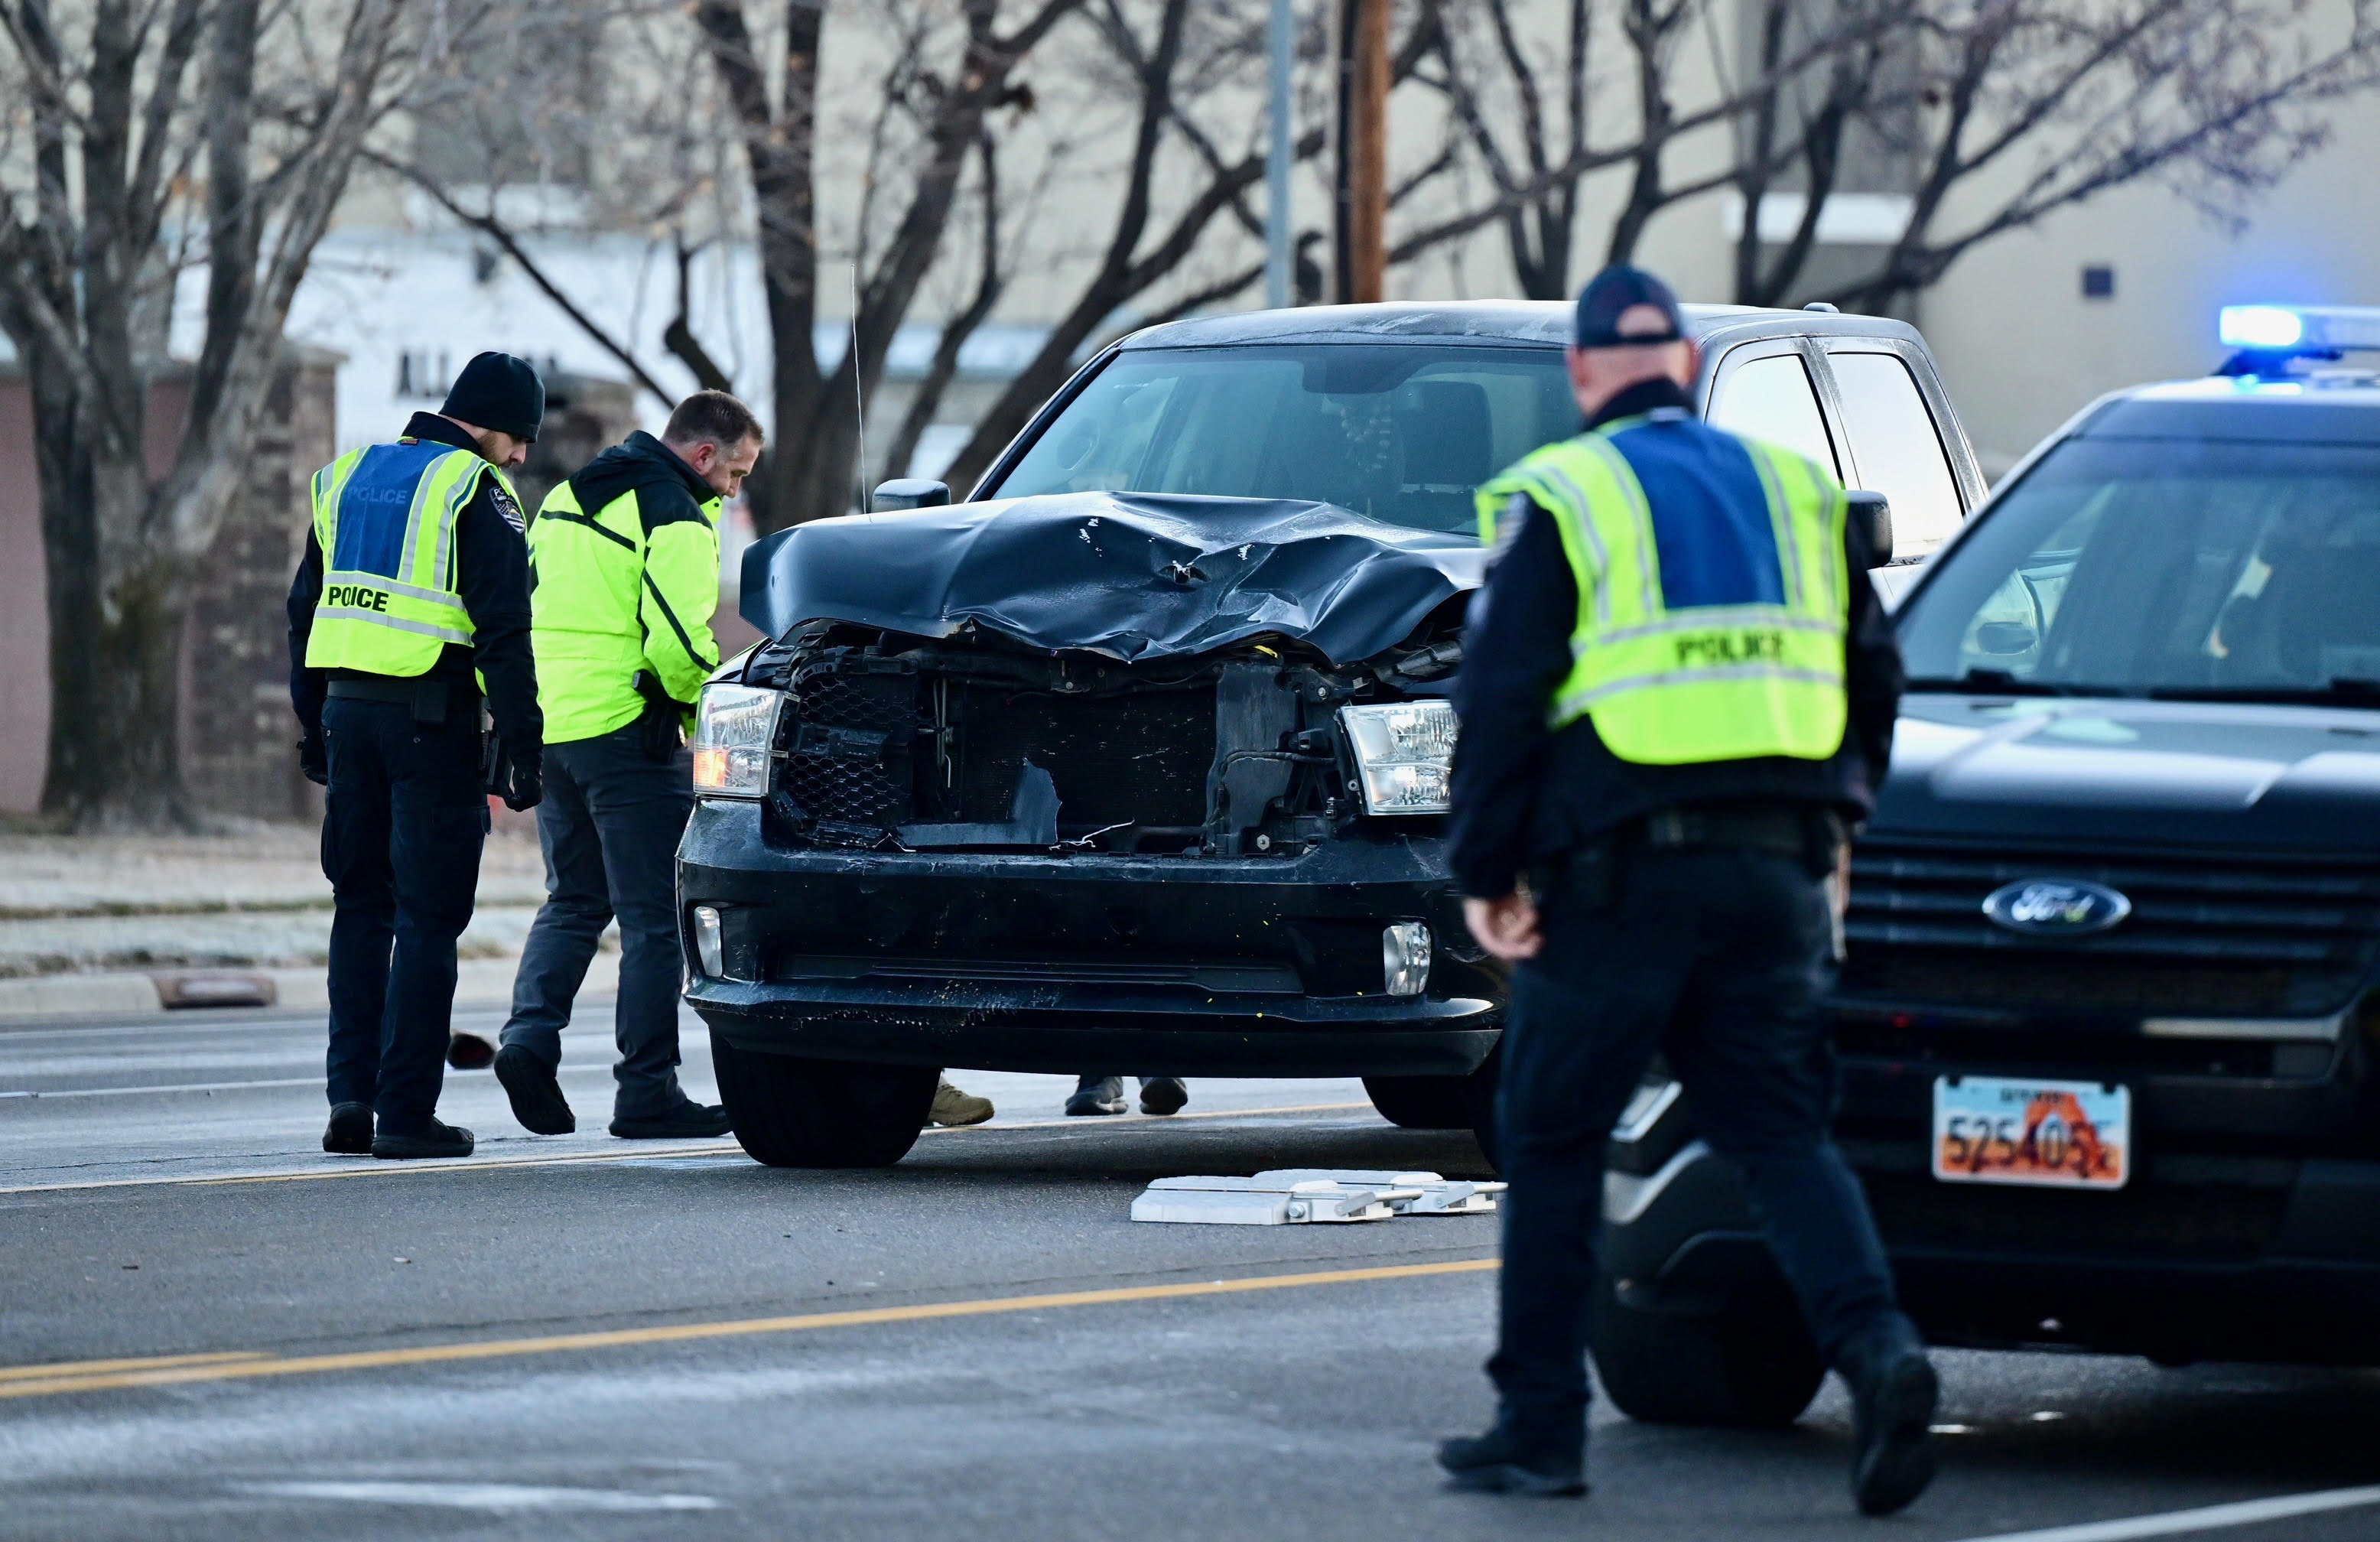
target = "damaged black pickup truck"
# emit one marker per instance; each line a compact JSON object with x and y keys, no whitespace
{"x":1137,"y":760}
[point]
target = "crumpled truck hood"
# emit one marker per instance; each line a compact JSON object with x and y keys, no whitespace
{"x":1134,"y":575}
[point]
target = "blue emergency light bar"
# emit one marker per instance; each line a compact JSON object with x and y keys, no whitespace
{"x":2300,"y":329}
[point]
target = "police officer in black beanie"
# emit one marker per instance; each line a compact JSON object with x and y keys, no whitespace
{"x":414,"y":588}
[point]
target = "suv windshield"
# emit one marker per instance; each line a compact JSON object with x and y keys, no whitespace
{"x":1402,"y":433}
{"x":2155,"y":567}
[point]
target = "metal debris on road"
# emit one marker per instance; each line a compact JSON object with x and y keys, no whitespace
{"x":1295,"y":1196}
{"x":1437,"y":1195}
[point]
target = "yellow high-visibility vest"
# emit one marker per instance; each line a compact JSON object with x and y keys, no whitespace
{"x":385,"y":517}
{"x":1675,"y":684}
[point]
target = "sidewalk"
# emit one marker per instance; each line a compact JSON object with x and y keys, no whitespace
{"x":127,"y":925}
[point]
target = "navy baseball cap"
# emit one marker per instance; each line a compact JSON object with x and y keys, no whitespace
{"x":1614,"y":291}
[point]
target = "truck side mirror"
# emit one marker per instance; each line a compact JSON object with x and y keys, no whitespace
{"x":908,"y":493}
{"x":1877,"y":510}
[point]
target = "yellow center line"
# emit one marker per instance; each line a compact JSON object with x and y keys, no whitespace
{"x":90,"y":1367}
{"x":91,"y":1376}
{"x":713,"y":1148}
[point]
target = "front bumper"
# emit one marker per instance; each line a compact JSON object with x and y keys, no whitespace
{"x":1263,"y":965}
{"x":2281,"y":1263}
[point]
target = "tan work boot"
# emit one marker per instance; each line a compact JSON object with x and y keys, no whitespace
{"x":953,"y":1107}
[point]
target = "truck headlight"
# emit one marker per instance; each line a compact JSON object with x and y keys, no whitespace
{"x":734,"y":730}
{"x":1404,"y":755}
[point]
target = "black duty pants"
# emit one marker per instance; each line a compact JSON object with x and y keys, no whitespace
{"x":402,"y":827}
{"x":610,"y":825}
{"x":1716,"y":956}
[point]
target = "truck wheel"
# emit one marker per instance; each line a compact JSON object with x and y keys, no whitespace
{"x":1443,"y":1102}
{"x":1754,"y":1368}
{"x":789,"y":1111}
{"x":1422,"y":1102}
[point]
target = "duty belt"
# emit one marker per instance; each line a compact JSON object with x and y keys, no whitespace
{"x":1786,"y":830}
{"x":426,"y":697}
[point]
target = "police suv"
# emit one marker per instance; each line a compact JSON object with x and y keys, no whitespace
{"x":2108,"y":1016}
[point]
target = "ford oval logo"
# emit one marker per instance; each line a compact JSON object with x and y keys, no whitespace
{"x":2056,"y":906}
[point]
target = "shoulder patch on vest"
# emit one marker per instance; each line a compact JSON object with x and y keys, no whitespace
{"x":506,"y":506}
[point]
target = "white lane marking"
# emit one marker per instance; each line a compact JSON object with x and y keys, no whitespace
{"x":2212,"y":1517}
{"x":581,"y":1072}
{"x":178,"y":1087}
{"x":502,"y":1498}
{"x":349,"y":1168}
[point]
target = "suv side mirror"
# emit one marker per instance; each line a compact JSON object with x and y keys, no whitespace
{"x":1876,"y":509}
{"x":908,"y":493}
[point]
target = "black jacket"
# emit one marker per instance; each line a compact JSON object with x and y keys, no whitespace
{"x":492,"y":574}
{"x":1522,"y":792}
{"x":667,"y":487}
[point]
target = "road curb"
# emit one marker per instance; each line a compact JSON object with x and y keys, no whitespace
{"x":78,"y":996}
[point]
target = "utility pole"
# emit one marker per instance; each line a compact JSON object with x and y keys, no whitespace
{"x":1278,"y":234}
{"x":1362,"y":179}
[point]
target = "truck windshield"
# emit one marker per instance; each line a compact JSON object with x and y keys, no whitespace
{"x":1401,"y":432}
{"x":2176,"y":567}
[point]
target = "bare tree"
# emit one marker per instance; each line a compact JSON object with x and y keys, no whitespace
{"x":148,"y":140}
{"x":1987,"y":116}
{"x":1537,"y":162}
{"x":2217,"y":99}
{"x":817,"y":412}
{"x":1183,"y":69}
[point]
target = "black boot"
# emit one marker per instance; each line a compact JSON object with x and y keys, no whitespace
{"x":1097,"y":1095}
{"x":536,"y":1095}
{"x":1495,"y":1464}
{"x":350,"y":1133}
{"x":1163,"y":1095}
{"x":438,"y":1140}
{"x":1893,"y":1394}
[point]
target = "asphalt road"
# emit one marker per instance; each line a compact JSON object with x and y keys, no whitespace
{"x":210,"y":1330}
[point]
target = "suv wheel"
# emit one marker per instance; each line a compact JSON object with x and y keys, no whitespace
{"x":1443,"y":1102}
{"x":1748,"y":1368}
{"x":789,"y":1111}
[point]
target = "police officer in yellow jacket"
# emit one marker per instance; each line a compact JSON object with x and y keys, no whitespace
{"x":1678,"y":691}
{"x":414,"y":590}
{"x":625,"y":556}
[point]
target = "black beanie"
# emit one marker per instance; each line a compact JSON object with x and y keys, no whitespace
{"x":497,"y":391}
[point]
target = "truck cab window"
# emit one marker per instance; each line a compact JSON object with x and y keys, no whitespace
{"x":1897,"y":450}
{"x":1770,"y":399}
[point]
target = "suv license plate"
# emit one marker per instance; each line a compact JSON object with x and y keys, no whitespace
{"x":2054,"y":1135}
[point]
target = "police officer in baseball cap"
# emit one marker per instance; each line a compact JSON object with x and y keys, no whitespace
{"x":1678,"y":694}
{"x":414,"y":587}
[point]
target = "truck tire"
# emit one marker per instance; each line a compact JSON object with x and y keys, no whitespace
{"x":1422,"y":1102}
{"x":789,"y":1111}
{"x":1443,"y":1102}
{"x":1753,"y":1369}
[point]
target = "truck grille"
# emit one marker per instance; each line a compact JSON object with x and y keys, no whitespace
{"x":2207,"y":936}
{"x":868,"y":749}
{"x":1126,"y":759}
{"x":849,"y":762}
